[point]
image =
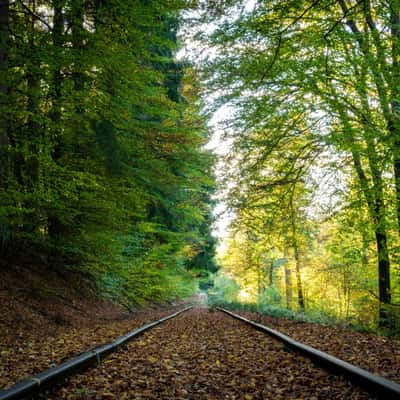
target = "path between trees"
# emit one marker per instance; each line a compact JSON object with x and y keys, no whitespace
{"x":206,"y":355}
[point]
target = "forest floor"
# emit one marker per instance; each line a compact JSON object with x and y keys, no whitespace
{"x":206,"y":355}
{"x":46,"y":318}
{"x":198,"y":355}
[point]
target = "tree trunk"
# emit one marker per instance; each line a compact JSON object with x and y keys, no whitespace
{"x":288,"y":286}
{"x":300,"y":297}
{"x":271,"y":274}
{"x":384,"y":278}
{"x":374,"y":196}
{"x":288,"y":281}
{"x":374,"y":199}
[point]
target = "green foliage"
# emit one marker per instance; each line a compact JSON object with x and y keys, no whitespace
{"x":225,"y":289}
{"x":313,"y":169}
{"x":279,"y":312}
{"x":103,"y":146}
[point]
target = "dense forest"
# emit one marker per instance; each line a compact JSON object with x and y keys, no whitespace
{"x":200,"y":199}
{"x":102,"y":159}
{"x":308,"y":93}
{"x":105,"y":167}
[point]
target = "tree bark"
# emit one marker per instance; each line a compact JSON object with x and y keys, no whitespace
{"x":288,"y":287}
{"x":271,"y":274}
{"x":288,"y":281}
{"x":373,"y":193}
{"x":300,"y":296}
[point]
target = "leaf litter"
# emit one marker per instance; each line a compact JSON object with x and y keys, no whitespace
{"x":206,"y":355}
{"x":376,"y":354}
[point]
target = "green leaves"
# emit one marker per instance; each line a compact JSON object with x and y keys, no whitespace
{"x":106,"y":170}
{"x":308,"y":85}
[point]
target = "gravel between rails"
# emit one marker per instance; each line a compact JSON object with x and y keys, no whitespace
{"x":206,"y":355}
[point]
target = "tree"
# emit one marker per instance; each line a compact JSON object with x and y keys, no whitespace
{"x":305,"y":81}
{"x":106,"y":167}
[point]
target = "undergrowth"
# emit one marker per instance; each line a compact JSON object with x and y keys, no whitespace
{"x":311,"y":316}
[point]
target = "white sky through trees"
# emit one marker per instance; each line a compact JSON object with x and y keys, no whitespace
{"x":327,"y":181}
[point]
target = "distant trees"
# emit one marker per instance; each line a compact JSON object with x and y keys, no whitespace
{"x":314,"y":86}
{"x":101,"y":152}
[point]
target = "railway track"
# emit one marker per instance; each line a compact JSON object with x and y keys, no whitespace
{"x":32,"y":386}
{"x":383,"y":388}
{"x":205,"y":355}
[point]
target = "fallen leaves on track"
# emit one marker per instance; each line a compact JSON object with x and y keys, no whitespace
{"x":23,"y":354}
{"x":377,"y":354}
{"x":206,"y":355}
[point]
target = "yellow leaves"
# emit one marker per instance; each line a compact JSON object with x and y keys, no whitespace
{"x":108,"y":395}
{"x":169,"y":123}
{"x":152,"y":359}
{"x":248,"y":397}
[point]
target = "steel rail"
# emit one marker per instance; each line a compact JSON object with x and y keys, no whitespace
{"x":383,"y":388}
{"x":31,"y":386}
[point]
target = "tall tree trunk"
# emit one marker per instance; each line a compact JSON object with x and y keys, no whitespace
{"x":288,"y":287}
{"x":376,"y":210}
{"x":300,"y":297}
{"x":288,"y":282}
{"x":271,"y":274}
{"x":259,"y":286}
{"x":295,"y":244}
{"x":384,"y":274}
{"x":373,"y":193}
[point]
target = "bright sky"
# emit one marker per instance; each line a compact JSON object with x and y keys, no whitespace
{"x":217,"y":144}
{"x":220,"y":147}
